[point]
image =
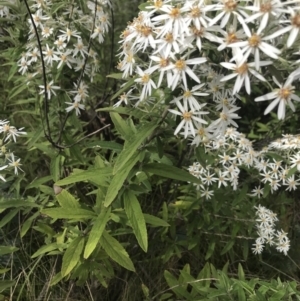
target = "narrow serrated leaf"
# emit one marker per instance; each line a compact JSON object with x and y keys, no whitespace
{"x":96,"y":231}
{"x":136,"y":218}
{"x":69,"y":213}
{"x":170,"y":172}
{"x":132,"y":145}
{"x":66,"y":200}
{"x":116,"y":251}
{"x":72,"y":256}
{"x":118,"y":180}
{"x":85,"y":175}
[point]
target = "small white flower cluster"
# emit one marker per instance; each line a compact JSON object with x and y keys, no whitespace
{"x":168,"y":43}
{"x":9,"y":135}
{"x":64,"y":47}
{"x":233,"y":151}
{"x":267,"y":234}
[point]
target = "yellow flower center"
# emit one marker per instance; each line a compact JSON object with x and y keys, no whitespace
{"x":49,"y":52}
{"x":242,"y":69}
{"x":169,"y":37}
{"x":225,"y":102}
{"x":231,"y":38}
{"x":146,"y":31}
{"x":195,"y":12}
{"x":223,"y":116}
{"x":198,"y":32}
{"x":230,"y":5}
{"x":175,"y":13}
{"x":254,"y":40}
{"x":187,"y":116}
{"x":285,"y":93}
{"x":187,"y":93}
{"x":180,"y":65}
{"x":158,"y":4}
{"x":266,"y":7}
{"x":145,"y":78}
{"x":201,"y":132}
{"x":6,"y":128}
{"x":163,"y":62}
{"x":296,"y":20}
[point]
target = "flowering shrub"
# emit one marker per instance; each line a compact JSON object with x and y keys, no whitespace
{"x":180,"y":44}
{"x":57,"y":46}
{"x":183,"y":48}
{"x":107,"y":186}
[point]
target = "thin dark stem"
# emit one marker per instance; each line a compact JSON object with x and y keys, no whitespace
{"x":46,"y":102}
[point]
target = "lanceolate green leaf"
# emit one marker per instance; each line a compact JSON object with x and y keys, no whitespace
{"x":133,"y":144}
{"x":7,"y":250}
{"x":66,"y":200}
{"x":13,"y":203}
{"x":96,"y":232}
{"x":170,"y":172}
{"x":5,"y":284}
{"x":86,"y":175}
{"x":135,"y":215}
{"x":55,"y":167}
{"x":116,"y":251}
{"x":8,"y":217}
{"x":121,"y":126}
{"x":72,"y":256}
{"x":118,"y":180}
{"x":69,"y":213}
{"x":155,"y":221}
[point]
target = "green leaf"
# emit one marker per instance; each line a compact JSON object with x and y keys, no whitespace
{"x":17,"y":90}
{"x":66,"y":200}
{"x":27,"y":224}
{"x":55,"y":168}
{"x":144,"y":5}
{"x":7,"y":250}
{"x":175,"y":286}
{"x":117,"y":147}
{"x":227,"y":247}
{"x":118,"y":180}
{"x":170,"y":172}
{"x":96,"y":231}
{"x":44,"y":228}
{"x":45,"y":249}
{"x":210,"y":250}
{"x":39,"y":181}
{"x":116,"y":75}
{"x":5,"y":284}
{"x":292,"y":171}
{"x":121,"y":126}
{"x":116,"y":251}
{"x":241,"y":272}
{"x":135,"y":216}
{"x":85,"y":175}
{"x":132,"y":145}
{"x":69,"y":213}
{"x":155,"y":221}
{"x":12,"y":203}
{"x":8,"y":217}
{"x":57,"y":278}
{"x":72,"y":256}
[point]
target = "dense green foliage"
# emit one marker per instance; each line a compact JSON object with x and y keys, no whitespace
{"x":106,"y":208}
